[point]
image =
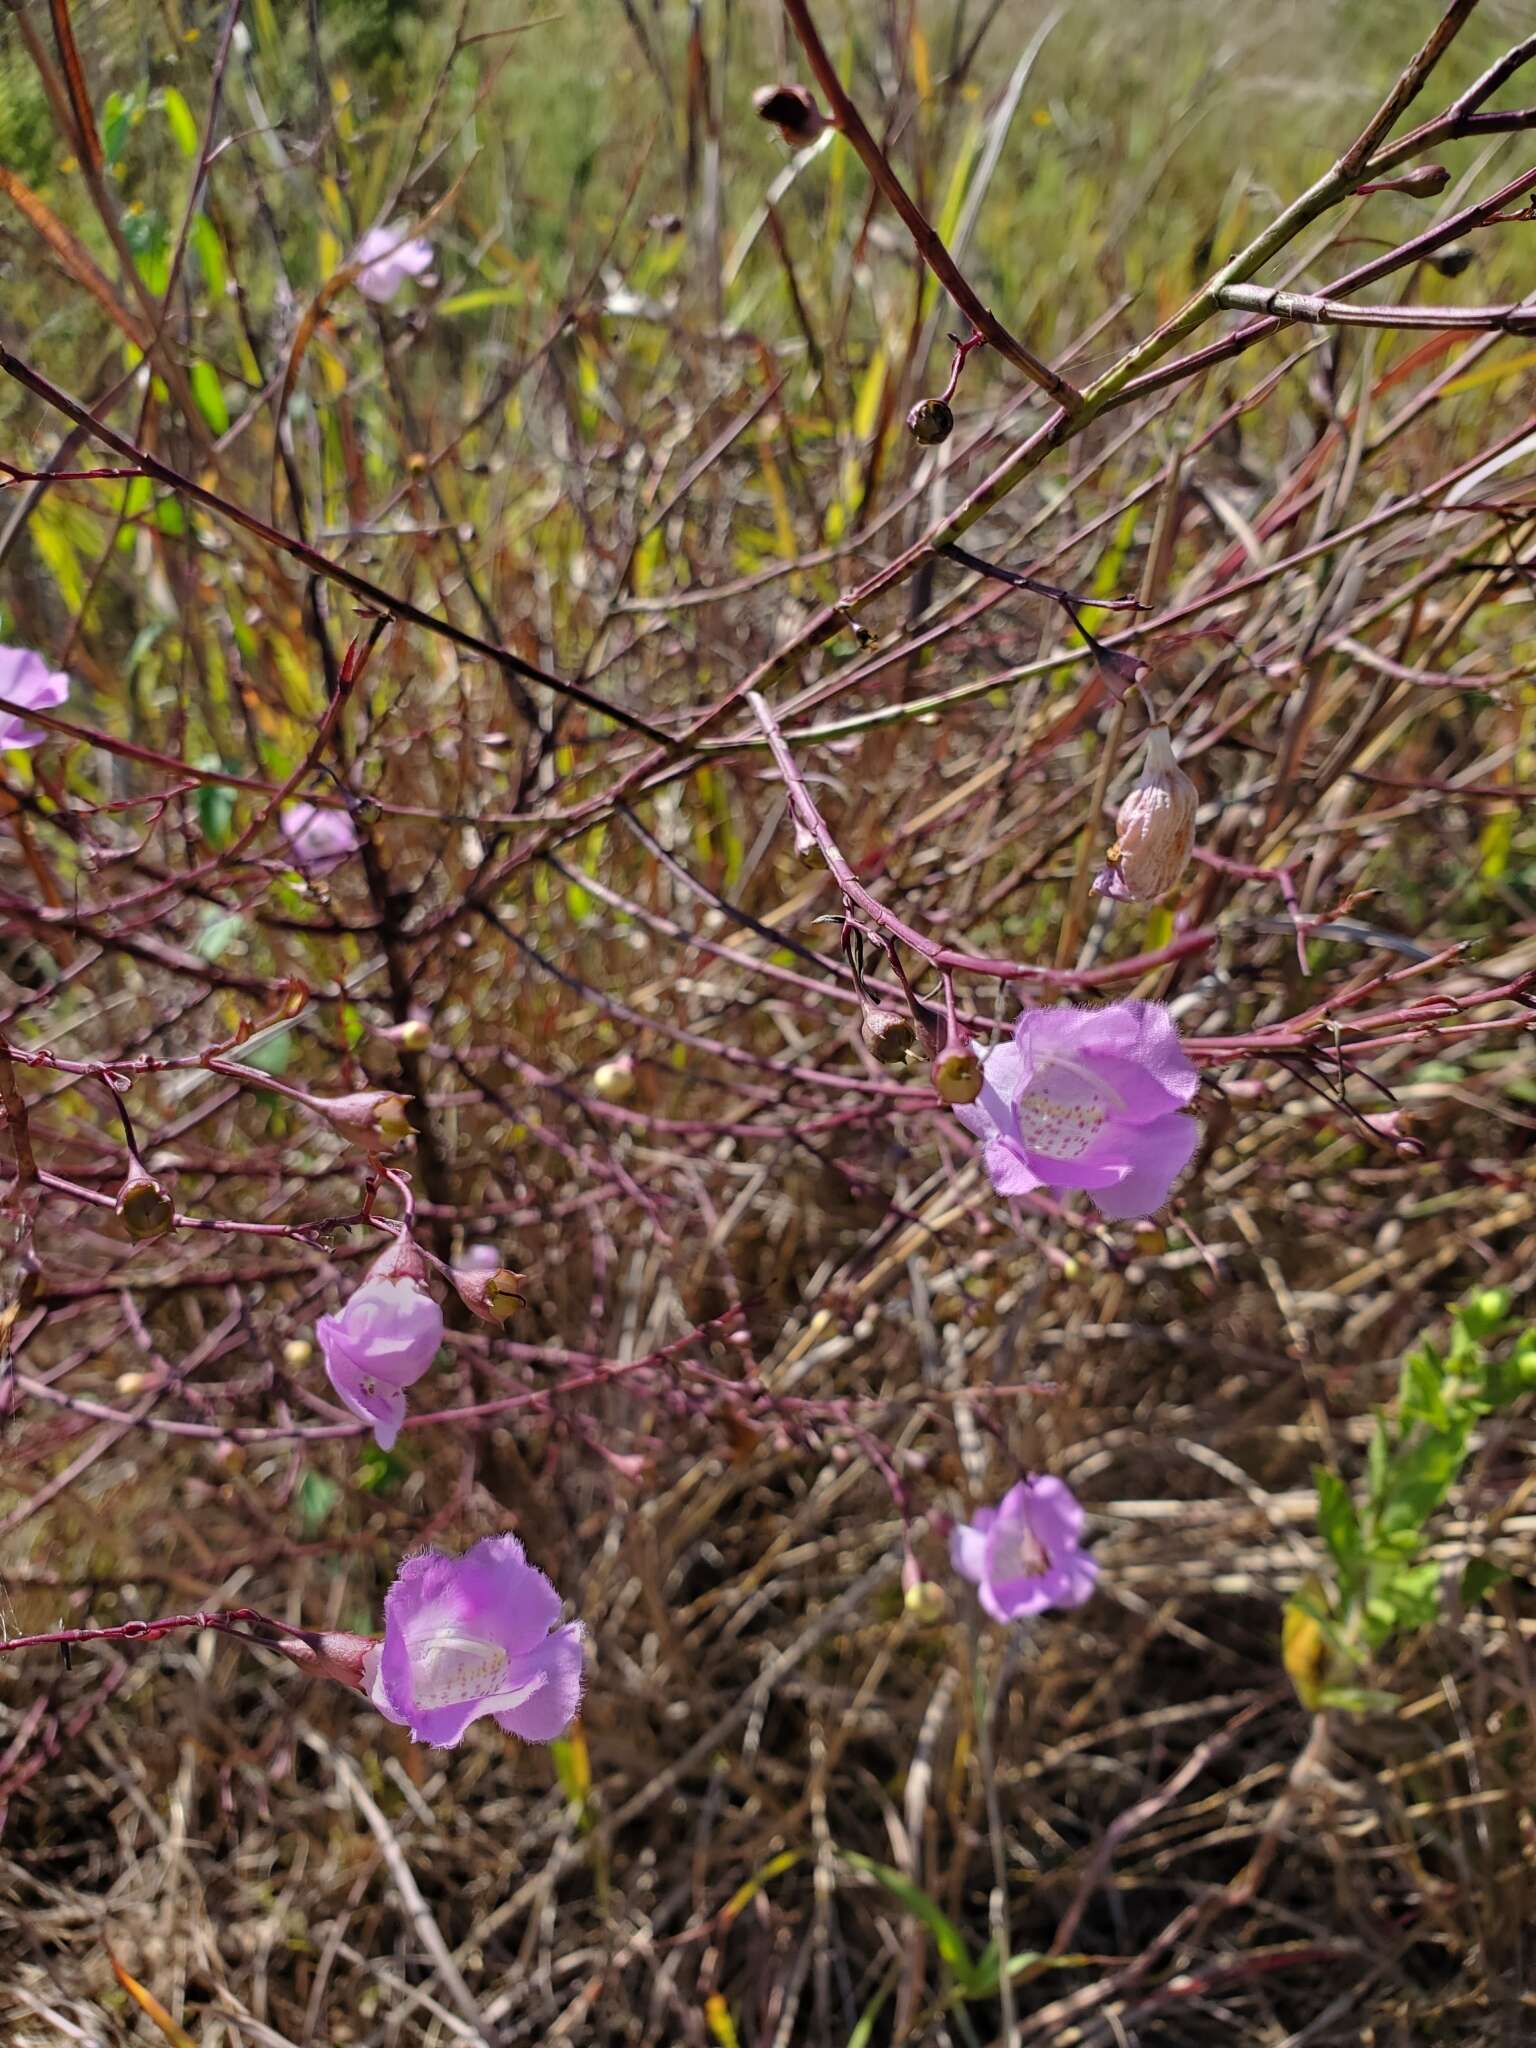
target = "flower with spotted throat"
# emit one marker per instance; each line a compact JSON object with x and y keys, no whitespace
{"x":472,"y":1635}
{"x":1092,"y":1099}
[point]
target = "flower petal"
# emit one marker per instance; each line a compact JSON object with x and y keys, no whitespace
{"x":1155,"y":1155}
{"x":548,"y":1712}
{"x":502,"y":1595}
{"x":968,"y":1551}
{"x":1008,"y":1169}
{"x":1054,"y":1512}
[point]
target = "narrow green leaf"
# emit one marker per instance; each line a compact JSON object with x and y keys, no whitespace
{"x":178,"y":118}
{"x":209,"y":393}
{"x":947,"y":1938}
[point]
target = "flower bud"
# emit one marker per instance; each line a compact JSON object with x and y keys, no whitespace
{"x":793,"y":111}
{"x":1423,"y":182}
{"x":1155,"y":830}
{"x":930,"y":421}
{"x":131,"y":1382}
{"x":414,"y":1035}
{"x":297,"y":1353}
{"x":144,"y":1209}
{"x":614,"y":1080}
{"x":494,"y":1297}
{"x":888,"y":1034}
{"x":957,"y":1071}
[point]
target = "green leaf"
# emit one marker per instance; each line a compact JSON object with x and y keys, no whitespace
{"x":209,"y":393}
{"x":220,"y":930}
{"x":1479,"y":1578}
{"x":947,"y":1938}
{"x":315,"y":1498}
{"x":1419,"y":1394}
{"x":1337,"y":1522}
{"x":1420,"y":1478}
{"x":984,"y":1977}
{"x":1358,"y":1699}
{"x":210,"y":255}
{"x":215,"y":812}
{"x":178,"y":118}
{"x":271,"y":1056}
{"x":489,"y":295}
{"x":115,"y":112}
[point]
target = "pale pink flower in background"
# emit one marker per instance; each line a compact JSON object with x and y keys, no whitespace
{"x":1088,"y":1099}
{"x":1026,"y":1554}
{"x":387,"y":257}
{"x":382,"y":1342}
{"x":27,"y":679}
{"x":480,"y":1258}
{"x":319,"y":839}
{"x":472,"y":1635}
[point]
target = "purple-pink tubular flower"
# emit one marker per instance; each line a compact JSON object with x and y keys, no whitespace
{"x":382,"y":1342}
{"x":1088,"y":1099}
{"x":387,"y":257}
{"x":318,"y":839}
{"x":27,"y":679}
{"x":472,"y":1635}
{"x":1026,"y":1554}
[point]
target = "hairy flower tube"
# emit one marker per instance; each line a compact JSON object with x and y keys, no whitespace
{"x":472,"y":1635}
{"x":1088,"y":1098}
{"x":27,"y":679}
{"x":1026,"y":1554}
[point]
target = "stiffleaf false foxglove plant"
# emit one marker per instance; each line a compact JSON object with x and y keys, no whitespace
{"x":1088,"y":1098}
{"x":27,"y":679}
{"x":472,"y":1635}
{"x":384,"y":1339}
{"x":1026,"y":1554}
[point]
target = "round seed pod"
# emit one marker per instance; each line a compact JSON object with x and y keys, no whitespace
{"x":888,"y":1034}
{"x":930,"y":421}
{"x":957,"y":1072}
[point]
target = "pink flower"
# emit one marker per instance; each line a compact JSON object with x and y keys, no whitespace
{"x":1026,"y":1554}
{"x":319,"y":839}
{"x":382,"y":1342}
{"x":387,"y":257}
{"x":26,"y":679}
{"x":1088,"y":1099}
{"x":472,"y":1635}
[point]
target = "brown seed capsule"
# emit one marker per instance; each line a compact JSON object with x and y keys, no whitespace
{"x":889,"y":1035}
{"x":144,"y":1209}
{"x":957,"y":1072}
{"x":793,"y":111}
{"x":930,"y":421}
{"x":1155,"y":830}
